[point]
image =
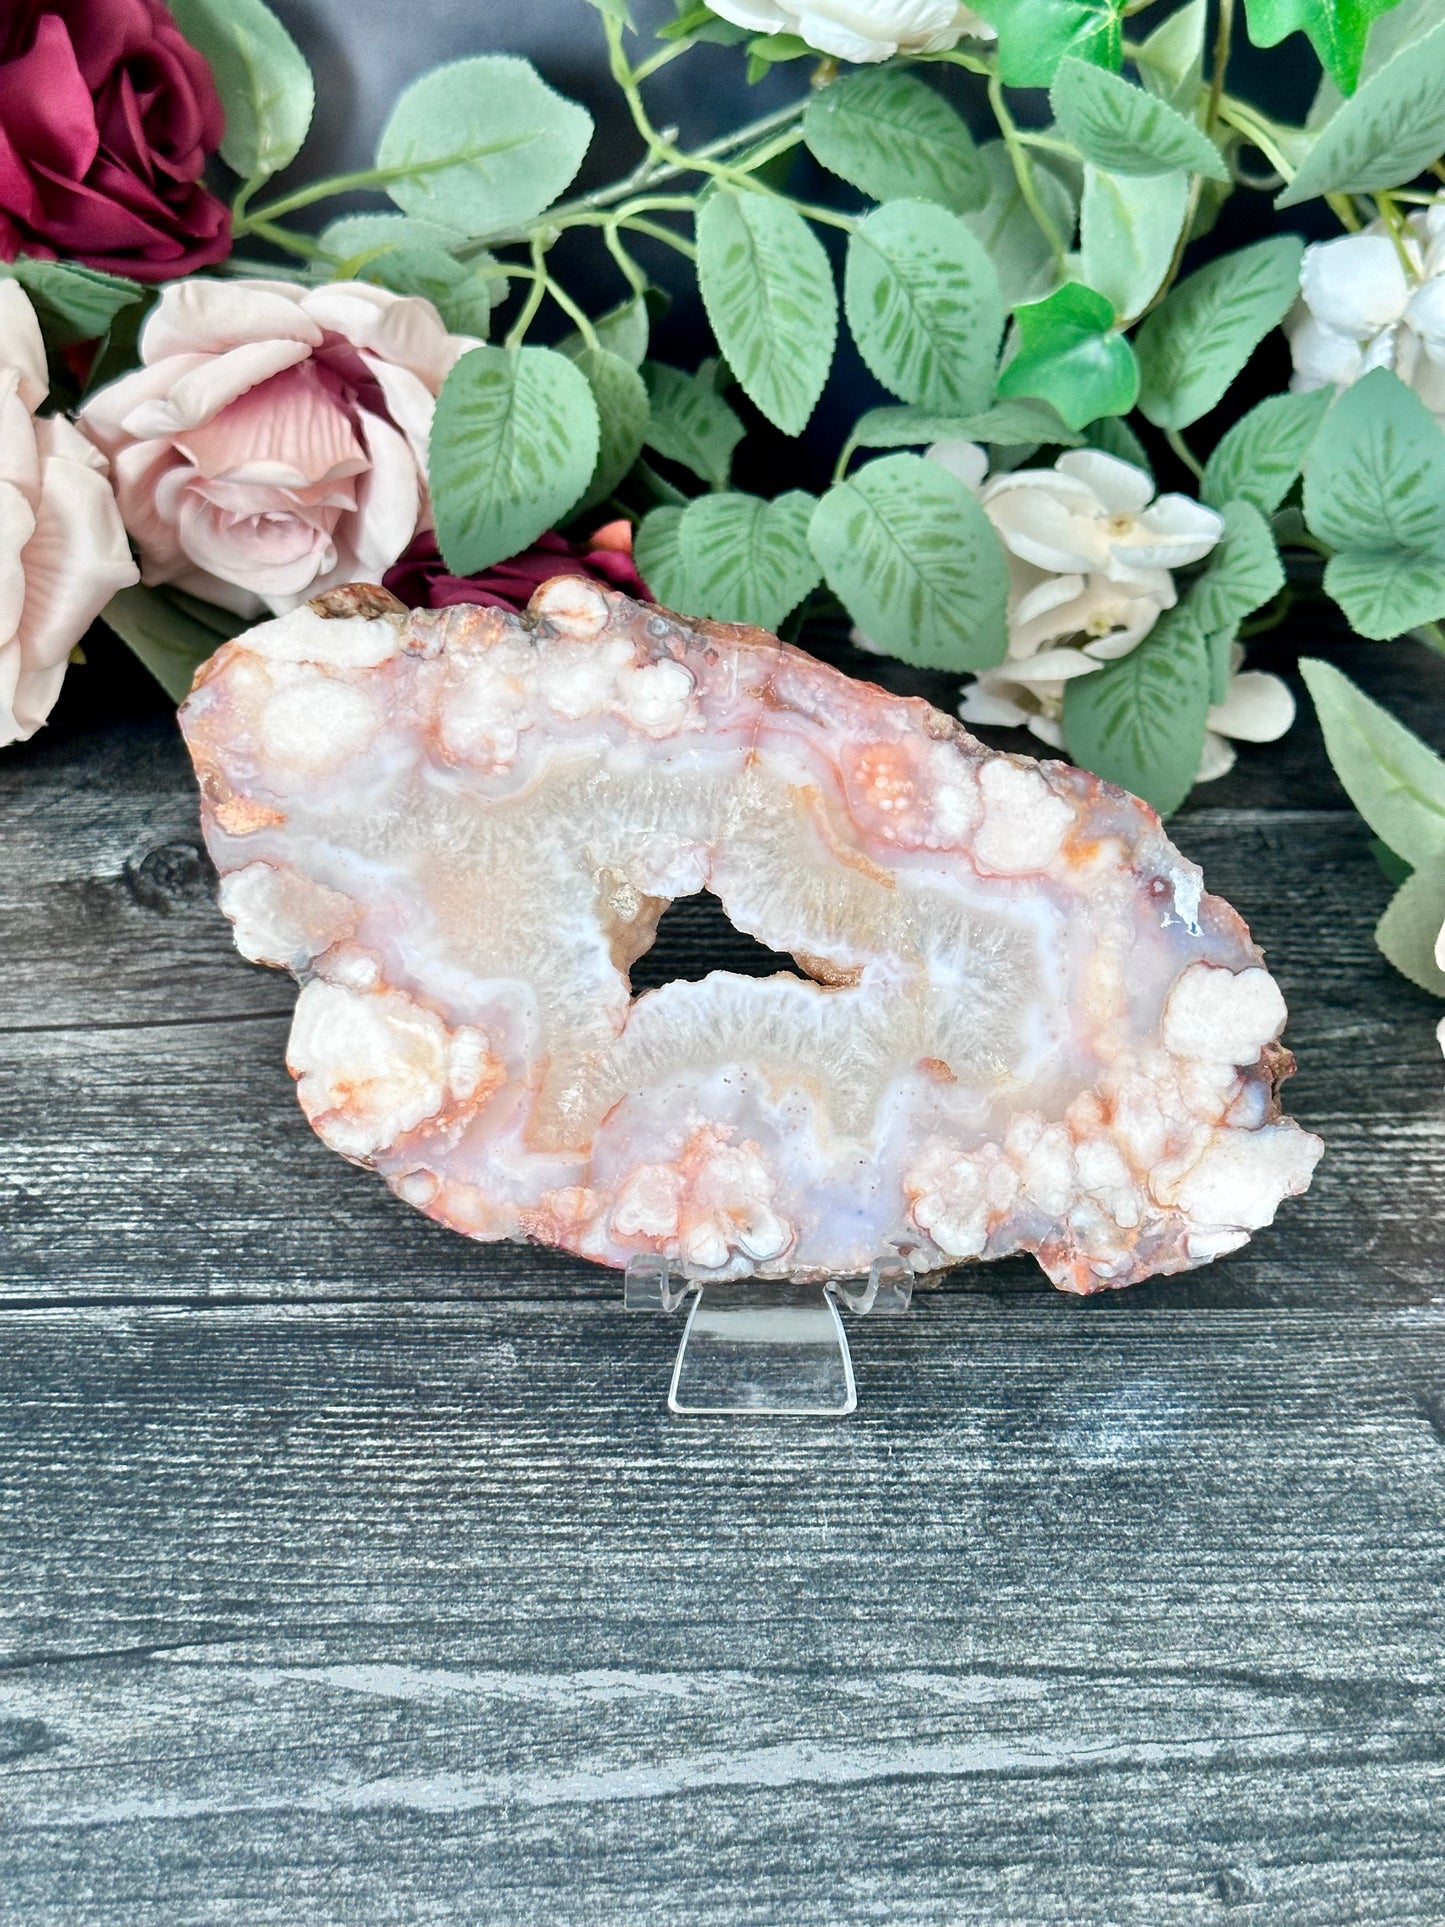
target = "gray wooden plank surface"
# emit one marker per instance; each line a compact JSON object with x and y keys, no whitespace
{"x":353,"y":1574}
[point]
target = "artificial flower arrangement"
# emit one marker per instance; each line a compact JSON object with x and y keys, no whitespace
{"x":1016,"y":209}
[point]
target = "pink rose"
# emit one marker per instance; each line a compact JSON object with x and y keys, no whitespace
{"x":273,"y":443}
{"x":63,"y":552}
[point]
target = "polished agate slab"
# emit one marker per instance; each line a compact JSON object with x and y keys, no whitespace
{"x":1019,"y":1023}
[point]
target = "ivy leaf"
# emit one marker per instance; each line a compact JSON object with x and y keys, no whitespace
{"x":514,"y":443}
{"x":690,"y":422}
{"x":1016,"y":244}
{"x":1395,"y":781}
{"x":1409,"y":931}
{"x":1384,"y":134}
{"x":1242,"y":573}
{"x":923,"y":302}
{"x":1119,"y":126}
{"x":916,"y":563}
{"x":1375,"y":491}
{"x":1258,"y":459}
{"x":1336,"y":30}
{"x":1071,"y":356}
{"x":747,"y":560}
{"x":1009,"y":424}
{"x":1171,"y":59}
{"x":72,"y":303}
{"x":657,"y":551}
{"x":482,"y":145}
{"x":1140,"y":721}
{"x":769,"y":295}
{"x":170,"y":640}
{"x":622,"y":416}
{"x":1207,"y":327}
{"x":261,"y":76}
{"x":1035,"y":35}
{"x":896,"y":139}
{"x":1128,"y":227}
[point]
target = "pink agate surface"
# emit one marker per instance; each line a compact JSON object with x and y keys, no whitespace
{"x":1023,"y":1025}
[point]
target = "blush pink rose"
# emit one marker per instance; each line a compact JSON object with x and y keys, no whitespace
{"x":63,"y":552}
{"x":272,"y":444}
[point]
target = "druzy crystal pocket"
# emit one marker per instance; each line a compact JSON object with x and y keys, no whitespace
{"x":1019,"y":1023}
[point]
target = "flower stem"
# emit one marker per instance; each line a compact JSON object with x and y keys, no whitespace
{"x":1432,"y":635}
{"x":1185,"y":453}
{"x":1023,"y":171}
{"x":1223,"y":35}
{"x":517,"y":333}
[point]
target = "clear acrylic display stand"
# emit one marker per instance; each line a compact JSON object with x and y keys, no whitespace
{"x":764,"y":1347}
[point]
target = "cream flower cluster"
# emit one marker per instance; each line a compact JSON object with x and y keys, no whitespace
{"x":1361,"y":307}
{"x":1091,"y":552}
{"x":63,"y":552}
{"x":860,"y":30}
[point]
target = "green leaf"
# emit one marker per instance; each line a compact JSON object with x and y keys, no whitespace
{"x":1258,"y":459}
{"x":1117,"y":438}
{"x":1129,"y":224}
{"x":482,"y":145}
{"x":1375,"y":477}
{"x":1035,"y":35}
{"x":513,"y":445}
{"x":72,"y":303}
{"x":1410,"y":928}
{"x":1016,"y":245}
{"x":1393,"y":779}
{"x":262,"y":77}
{"x":690,"y":422}
{"x":916,"y":562}
{"x":1207,"y":327}
{"x":357,"y":238}
{"x":1171,"y":59}
{"x":622,"y":414}
{"x":170,"y":640}
{"x":923,"y":303}
{"x":1008,"y":424}
{"x":615,"y":10}
{"x":896,"y":139}
{"x":657,"y":551}
{"x":1242,"y":573}
{"x":1386,"y":133}
{"x":747,"y":560}
{"x":769,"y":295}
{"x":1336,"y":30}
{"x":1140,"y":721}
{"x":1383,"y":595}
{"x":624,"y":330}
{"x":1071,"y":356}
{"x":1393,"y":868}
{"x":1119,"y":126}
{"x":463,"y":293}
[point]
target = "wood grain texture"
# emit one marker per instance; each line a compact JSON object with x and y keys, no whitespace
{"x":350,"y":1573}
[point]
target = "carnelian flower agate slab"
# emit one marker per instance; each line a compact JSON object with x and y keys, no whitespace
{"x":1023,"y":1026}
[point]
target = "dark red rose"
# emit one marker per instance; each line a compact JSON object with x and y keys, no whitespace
{"x":420,"y":578}
{"x":107,"y":117}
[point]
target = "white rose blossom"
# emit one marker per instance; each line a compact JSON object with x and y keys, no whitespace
{"x":1091,"y":550}
{"x":1360,"y":309}
{"x":860,"y":30}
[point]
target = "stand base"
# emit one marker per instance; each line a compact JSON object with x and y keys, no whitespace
{"x":765,"y":1347}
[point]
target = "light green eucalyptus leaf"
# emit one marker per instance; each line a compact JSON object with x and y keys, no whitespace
{"x":1258,"y":459}
{"x":768,"y":291}
{"x":916,"y":562}
{"x":923,"y":304}
{"x":690,"y":422}
{"x":895,"y":138}
{"x":1394,"y":780}
{"x":1207,"y":327}
{"x":482,"y":145}
{"x":261,"y":76}
{"x":1409,"y":931}
{"x":1140,"y":721}
{"x":514,"y":444}
{"x":1128,"y":227}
